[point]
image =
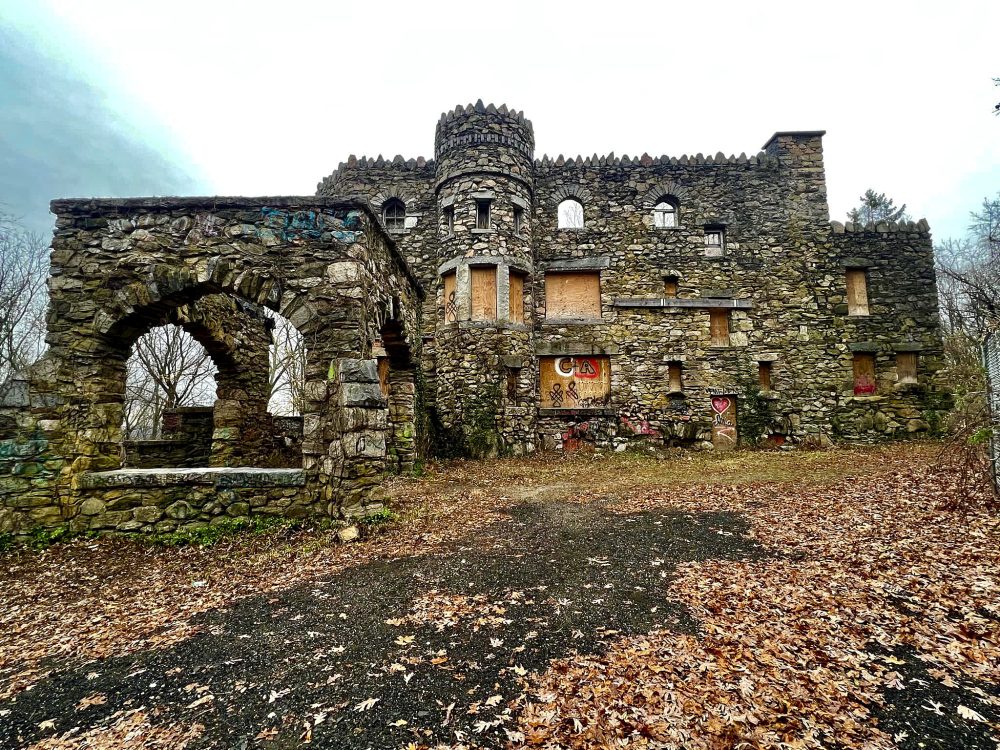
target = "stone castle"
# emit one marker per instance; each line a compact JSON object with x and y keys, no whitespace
{"x":600,"y":298}
{"x":480,"y":302}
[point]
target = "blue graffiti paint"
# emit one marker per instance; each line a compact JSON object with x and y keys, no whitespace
{"x":308,"y":225}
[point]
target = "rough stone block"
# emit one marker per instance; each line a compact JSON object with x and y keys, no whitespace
{"x":358,"y":370}
{"x":362,"y":394}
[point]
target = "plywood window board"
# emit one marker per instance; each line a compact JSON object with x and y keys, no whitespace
{"x":857,"y":291}
{"x":484,"y":292}
{"x":581,"y":382}
{"x":573,"y":295}
{"x":515,"y":301}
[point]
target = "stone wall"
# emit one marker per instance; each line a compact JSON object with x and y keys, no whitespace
{"x":120,"y":267}
{"x":780,"y":282}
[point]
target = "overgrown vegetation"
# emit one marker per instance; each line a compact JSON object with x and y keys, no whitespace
{"x":755,"y":415}
{"x":381,"y":517}
{"x":206,"y":536}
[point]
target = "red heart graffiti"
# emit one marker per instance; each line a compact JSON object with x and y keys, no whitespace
{"x":720,"y":404}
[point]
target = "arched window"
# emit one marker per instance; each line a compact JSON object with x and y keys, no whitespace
{"x":571,"y":214}
{"x":665,"y":213}
{"x":394,"y":215}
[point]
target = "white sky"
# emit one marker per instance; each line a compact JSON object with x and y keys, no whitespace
{"x":266,"y":98}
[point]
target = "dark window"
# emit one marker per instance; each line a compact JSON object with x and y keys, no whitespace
{"x":518,"y":219}
{"x":482,"y":214}
{"x":665,"y":213}
{"x":449,"y":219}
{"x":394,"y":215}
{"x":764,"y":376}
{"x":670,"y":284}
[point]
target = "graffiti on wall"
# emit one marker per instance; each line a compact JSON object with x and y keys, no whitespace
{"x":288,"y":226}
{"x":575,"y":382}
{"x":724,"y":421}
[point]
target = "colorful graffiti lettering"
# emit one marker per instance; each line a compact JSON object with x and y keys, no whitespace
{"x":288,"y":226}
{"x":583,"y":367}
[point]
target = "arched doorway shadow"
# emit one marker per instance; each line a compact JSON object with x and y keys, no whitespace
{"x":397,"y":378}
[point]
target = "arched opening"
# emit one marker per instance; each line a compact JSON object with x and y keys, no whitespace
{"x":666,"y":213}
{"x":394,"y":215}
{"x":156,"y":375}
{"x":570,"y":214}
{"x":170,"y":393}
{"x":397,"y":379}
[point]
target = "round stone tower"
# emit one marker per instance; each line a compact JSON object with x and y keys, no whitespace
{"x":484,"y":341}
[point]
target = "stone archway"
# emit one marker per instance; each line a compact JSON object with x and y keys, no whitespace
{"x":324,"y":264}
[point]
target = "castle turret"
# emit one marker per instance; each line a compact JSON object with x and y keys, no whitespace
{"x":484,"y":189}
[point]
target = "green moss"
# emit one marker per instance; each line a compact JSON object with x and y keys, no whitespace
{"x":380,"y":517}
{"x":206,"y":536}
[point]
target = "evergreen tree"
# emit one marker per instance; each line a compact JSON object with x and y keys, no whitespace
{"x":876,"y":207}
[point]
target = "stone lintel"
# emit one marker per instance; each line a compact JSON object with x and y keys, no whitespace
{"x":238,"y":476}
{"x":485,"y":260}
{"x":767,"y":357}
{"x":856,"y":262}
{"x":864,"y":346}
{"x":701,"y":302}
{"x":520,"y":202}
{"x":573,"y":348}
{"x":597,"y":263}
{"x":512,"y":362}
{"x":603,"y":412}
{"x":483,"y":195}
{"x":448,"y":200}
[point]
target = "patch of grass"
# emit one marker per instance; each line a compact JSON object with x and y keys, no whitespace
{"x":206,"y":536}
{"x":7,"y":542}
{"x":380,"y":517}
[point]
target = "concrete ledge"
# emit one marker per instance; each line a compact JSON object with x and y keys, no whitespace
{"x":702,"y":302}
{"x":237,"y":476}
{"x":597,"y":263}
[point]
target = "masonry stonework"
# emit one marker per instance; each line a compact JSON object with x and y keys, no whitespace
{"x":778,"y":280}
{"x":447,"y":309}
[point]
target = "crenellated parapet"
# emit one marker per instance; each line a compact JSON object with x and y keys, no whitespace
{"x":921,"y":227}
{"x":480,"y":138}
{"x":547,"y":162}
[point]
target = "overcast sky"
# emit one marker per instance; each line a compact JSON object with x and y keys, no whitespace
{"x":126,"y":97}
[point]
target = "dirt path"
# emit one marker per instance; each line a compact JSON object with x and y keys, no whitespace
{"x":801,"y":601}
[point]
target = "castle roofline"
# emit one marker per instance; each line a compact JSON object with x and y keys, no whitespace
{"x":801,"y":133}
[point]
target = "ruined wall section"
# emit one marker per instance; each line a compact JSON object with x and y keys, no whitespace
{"x":763,"y":280}
{"x":897,"y":260}
{"x":120,"y":266}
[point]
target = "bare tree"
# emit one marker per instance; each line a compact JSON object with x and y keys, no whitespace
{"x":286,"y":368}
{"x":24,"y":267}
{"x":167,"y":369}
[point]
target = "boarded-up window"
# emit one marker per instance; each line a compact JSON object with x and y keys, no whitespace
{"x":450,"y":298}
{"x":573,"y":295}
{"x":764,"y":375}
{"x":484,"y":293}
{"x":670,"y":284}
{"x":857,"y":292}
{"x":864,"y":374}
{"x":574,"y":382}
{"x":515,"y":303}
{"x":906,"y":367}
{"x":719,"y":324}
{"x":675,"y":377}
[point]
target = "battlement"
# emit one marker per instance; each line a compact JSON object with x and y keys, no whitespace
{"x":468,"y":110}
{"x":920,"y":227}
{"x":610,"y":160}
{"x":375,"y":168}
